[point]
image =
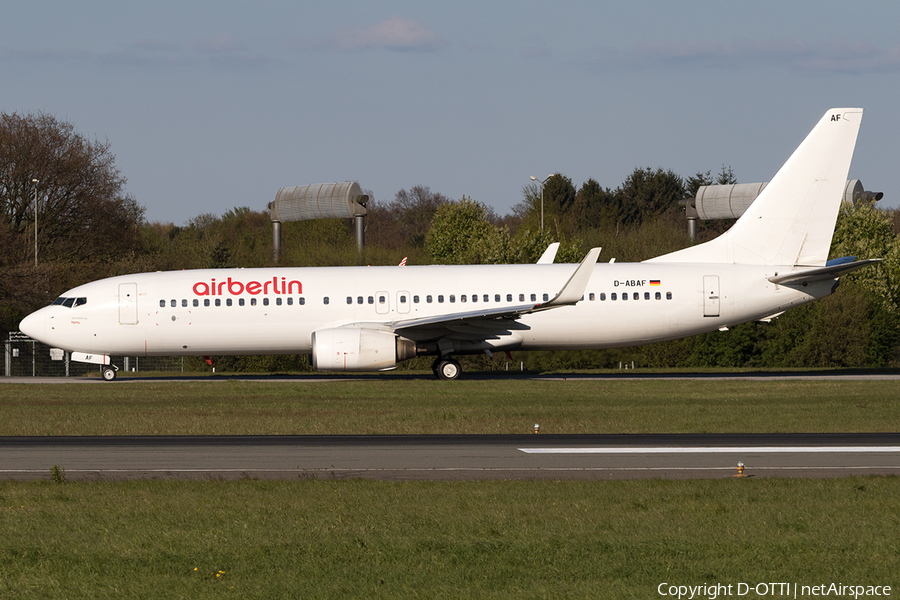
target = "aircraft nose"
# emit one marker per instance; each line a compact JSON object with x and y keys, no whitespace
{"x":34,"y":325}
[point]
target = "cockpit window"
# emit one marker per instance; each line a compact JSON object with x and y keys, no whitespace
{"x":69,"y":302}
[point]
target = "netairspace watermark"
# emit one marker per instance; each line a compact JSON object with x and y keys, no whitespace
{"x":711,"y":591}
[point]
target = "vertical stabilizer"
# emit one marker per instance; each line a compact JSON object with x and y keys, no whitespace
{"x":792,"y":220}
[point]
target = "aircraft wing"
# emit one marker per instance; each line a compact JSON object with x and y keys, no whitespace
{"x":829,"y":271}
{"x":489,"y":323}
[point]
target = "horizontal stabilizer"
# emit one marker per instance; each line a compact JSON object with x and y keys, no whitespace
{"x":821,"y":273}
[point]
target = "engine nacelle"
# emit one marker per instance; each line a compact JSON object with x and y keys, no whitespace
{"x":356,"y":349}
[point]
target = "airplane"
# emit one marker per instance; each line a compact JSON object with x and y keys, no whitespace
{"x":773,"y":258}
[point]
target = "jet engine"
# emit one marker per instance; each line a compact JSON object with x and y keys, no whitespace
{"x":356,"y":349}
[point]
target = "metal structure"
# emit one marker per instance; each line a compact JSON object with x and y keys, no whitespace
{"x":731,"y":201}
{"x":319,"y":201}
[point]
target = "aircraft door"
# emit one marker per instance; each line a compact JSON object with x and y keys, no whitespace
{"x":710,"y":295}
{"x":128,"y":310}
{"x":382,"y":303}
{"x":403,"y":299}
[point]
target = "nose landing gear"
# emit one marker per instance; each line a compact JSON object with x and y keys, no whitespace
{"x":108,"y":372}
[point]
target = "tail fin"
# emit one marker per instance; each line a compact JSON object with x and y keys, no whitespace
{"x":792,"y":220}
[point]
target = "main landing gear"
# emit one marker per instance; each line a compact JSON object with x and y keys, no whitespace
{"x":108,"y":372}
{"x":446,"y":368}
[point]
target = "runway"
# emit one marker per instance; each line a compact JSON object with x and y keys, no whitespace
{"x":446,"y":458}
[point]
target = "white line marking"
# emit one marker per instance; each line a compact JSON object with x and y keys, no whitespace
{"x":716,"y":450}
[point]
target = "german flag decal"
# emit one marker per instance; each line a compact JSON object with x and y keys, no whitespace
{"x":654,"y":282}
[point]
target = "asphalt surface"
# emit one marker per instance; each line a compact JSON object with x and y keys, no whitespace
{"x":398,"y":458}
{"x":444,"y":458}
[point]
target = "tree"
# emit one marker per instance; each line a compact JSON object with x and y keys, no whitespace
{"x":647,"y":194}
{"x":405,"y":220}
{"x":83,"y":212}
{"x":462,"y":234}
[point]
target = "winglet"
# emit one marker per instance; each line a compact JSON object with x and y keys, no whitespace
{"x":549,"y":254}
{"x":573,"y":290}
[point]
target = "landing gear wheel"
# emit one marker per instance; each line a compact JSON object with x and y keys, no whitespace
{"x":108,"y":373}
{"x":448,"y":368}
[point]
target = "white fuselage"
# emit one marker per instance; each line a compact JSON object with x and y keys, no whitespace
{"x":276,"y":310}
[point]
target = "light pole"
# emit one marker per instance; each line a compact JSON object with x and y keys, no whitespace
{"x":533,"y":178}
{"x":35,"y":182}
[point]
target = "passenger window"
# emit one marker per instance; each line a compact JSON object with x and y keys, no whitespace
{"x":241,"y":301}
{"x":290,"y":302}
{"x":658,"y":296}
{"x":173,"y":303}
{"x":668,"y":295}
{"x":183,"y":302}
{"x":613,"y":296}
{"x":218,"y":302}
{"x":324,"y":300}
{"x":278,"y":301}
{"x":359,"y":299}
{"x":228,"y":302}
{"x":403,"y":299}
{"x":509,"y":297}
{"x":440,"y":298}
{"x":252,"y":301}
{"x":206,"y":302}
{"x":452,"y":298}
{"x":196,"y":303}
{"x":415,"y":299}
{"x":349,"y":299}
{"x":625,"y":296}
{"x":546,"y":297}
{"x":591,"y":296}
{"x":646,"y":295}
{"x":534,"y":297}
{"x":496,"y":298}
{"x":603,"y":297}
{"x":381,"y":299}
{"x":636,"y":296}
{"x":462,"y":298}
{"x":266,"y":301}
{"x":162,"y":304}
{"x":428,"y":298}
{"x":371,"y":300}
{"x":301,"y":301}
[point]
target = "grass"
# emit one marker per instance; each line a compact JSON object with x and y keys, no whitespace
{"x":339,"y":539}
{"x":514,"y":539}
{"x":390,"y":405}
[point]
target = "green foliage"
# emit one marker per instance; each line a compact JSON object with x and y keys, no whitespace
{"x":864,"y":231}
{"x":460,"y":234}
{"x":57,"y":474}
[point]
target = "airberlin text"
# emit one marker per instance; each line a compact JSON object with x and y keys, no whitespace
{"x":711,"y":591}
{"x":231,"y":287}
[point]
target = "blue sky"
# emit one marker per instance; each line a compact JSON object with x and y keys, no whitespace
{"x":212,"y":105}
